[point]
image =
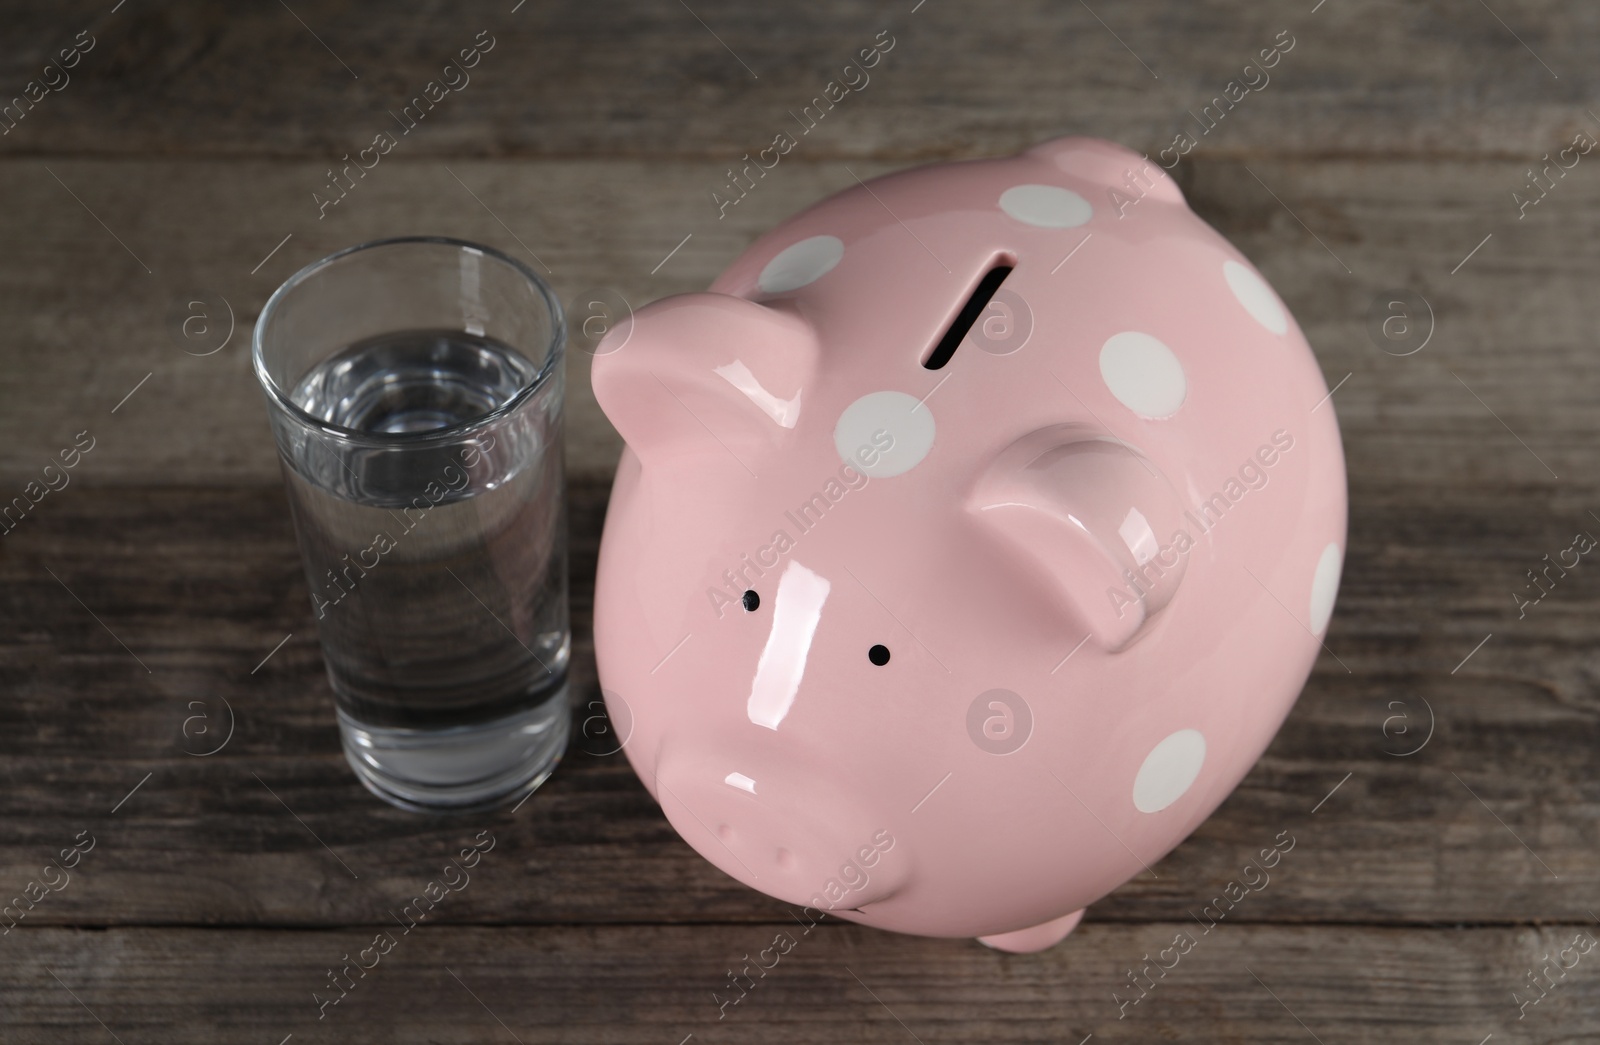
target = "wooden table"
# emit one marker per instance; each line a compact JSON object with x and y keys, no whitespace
{"x":1439,"y":775}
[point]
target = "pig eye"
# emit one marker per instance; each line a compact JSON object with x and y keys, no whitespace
{"x":752,"y":601}
{"x":879,"y":655}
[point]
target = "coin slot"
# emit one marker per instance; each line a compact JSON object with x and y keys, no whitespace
{"x":981,"y":295}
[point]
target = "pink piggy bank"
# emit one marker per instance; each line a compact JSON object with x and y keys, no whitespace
{"x":974,"y":535}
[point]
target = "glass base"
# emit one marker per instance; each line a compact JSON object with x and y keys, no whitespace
{"x":461,"y":769}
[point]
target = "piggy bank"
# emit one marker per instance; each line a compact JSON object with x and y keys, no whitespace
{"x":974,"y":534}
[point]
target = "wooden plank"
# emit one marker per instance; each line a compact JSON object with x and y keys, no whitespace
{"x":654,"y":81}
{"x":1485,"y":822}
{"x":826,"y":983}
{"x":1513,"y":337}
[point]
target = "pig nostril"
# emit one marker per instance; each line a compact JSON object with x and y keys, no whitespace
{"x":785,"y":859}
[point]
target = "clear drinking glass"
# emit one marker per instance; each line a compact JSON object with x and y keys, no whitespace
{"x":415,"y":392}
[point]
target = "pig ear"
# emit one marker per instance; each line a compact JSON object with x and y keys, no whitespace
{"x":1094,"y":521}
{"x":1108,"y":164}
{"x":705,"y":373}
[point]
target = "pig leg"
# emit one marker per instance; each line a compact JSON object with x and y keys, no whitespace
{"x":1026,"y":941}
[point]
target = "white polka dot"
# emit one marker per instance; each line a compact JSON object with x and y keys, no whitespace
{"x":1325,"y":587}
{"x":1256,"y":297}
{"x":801,"y":263}
{"x":1143,"y":374}
{"x":1169,"y":770}
{"x":1046,"y":206}
{"x":884,"y":433}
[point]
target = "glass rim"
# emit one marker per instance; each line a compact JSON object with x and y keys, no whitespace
{"x":449,"y":433}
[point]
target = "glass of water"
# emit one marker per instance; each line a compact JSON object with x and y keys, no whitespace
{"x":415,"y":392}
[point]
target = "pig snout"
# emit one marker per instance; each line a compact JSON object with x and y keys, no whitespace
{"x":787,"y":835}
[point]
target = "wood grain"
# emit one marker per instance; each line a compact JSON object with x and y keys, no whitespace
{"x":650,"y":80}
{"x":653,"y":984}
{"x":1441,"y":778}
{"x":1503,"y":392}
